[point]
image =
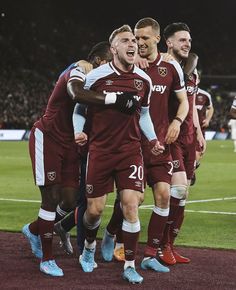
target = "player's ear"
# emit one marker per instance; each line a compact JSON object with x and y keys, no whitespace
{"x":158,"y":38}
{"x":113,"y":50}
{"x":169,"y":43}
{"x":97,"y":60}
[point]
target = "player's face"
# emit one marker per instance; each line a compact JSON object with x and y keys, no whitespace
{"x":147,"y":42}
{"x":180,"y":44}
{"x":124,"y":48}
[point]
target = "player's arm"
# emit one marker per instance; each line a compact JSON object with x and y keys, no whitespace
{"x":174,"y":127}
{"x":125,"y":102}
{"x":209,"y":114}
{"x":79,"y":118}
{"x":167,"y":57}
{"x":190,"y":64}
{"x":85,"y":65}
{"x":232,"y":111}
{"x":196,"y":123}
{"x":147,"y":128}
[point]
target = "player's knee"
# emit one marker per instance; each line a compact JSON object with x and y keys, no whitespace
{"x":50,"y":197}
{"x":179,"y":191}
{"x":68,"y":205}
{"x":162,"y":197}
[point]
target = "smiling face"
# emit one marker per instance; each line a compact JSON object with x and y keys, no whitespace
{"x":124,"y":49}
{"x":179,"y":44}
{"x":147,"y":39}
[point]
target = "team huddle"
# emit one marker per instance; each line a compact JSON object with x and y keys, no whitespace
{"x":124,"y":119}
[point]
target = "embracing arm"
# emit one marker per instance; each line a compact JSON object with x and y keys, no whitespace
{"x":190,"y":64}
{"x":126,"y":102}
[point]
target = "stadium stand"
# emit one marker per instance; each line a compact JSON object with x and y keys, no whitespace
{"x":34,"y":52}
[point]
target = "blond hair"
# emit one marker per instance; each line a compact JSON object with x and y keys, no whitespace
{"x":123,"y":28}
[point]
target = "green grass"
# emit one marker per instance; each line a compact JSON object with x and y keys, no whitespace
{"x":215,"y":179}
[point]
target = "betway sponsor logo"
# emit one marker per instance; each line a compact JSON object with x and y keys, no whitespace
{"x":159,"y":88}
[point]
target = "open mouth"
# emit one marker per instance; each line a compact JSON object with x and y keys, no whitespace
{"x":131,"y":53}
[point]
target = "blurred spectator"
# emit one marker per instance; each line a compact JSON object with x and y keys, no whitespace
{"x":37,"y":43}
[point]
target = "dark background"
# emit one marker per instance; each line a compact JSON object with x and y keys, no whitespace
{"x":38,"y":39}
{"x":64,"y":30}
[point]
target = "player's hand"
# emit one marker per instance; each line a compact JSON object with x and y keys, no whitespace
{"x":85,"y":65}
{"x":81,"y":138}
{"x":127,"y":102}
{"x":157,"y":148}
{"x":141,"y":62}
{"x":172,"y":132}
{"x":167,"y":57}
{"x":205,"y":123}
{"x":202,"y":142}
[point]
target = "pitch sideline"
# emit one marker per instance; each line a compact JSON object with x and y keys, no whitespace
{"x":151,"y":206}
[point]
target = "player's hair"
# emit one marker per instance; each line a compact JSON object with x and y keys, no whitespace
{"x":175,"y":27}
{"x":123,"y":28}
{"x":148,"y":21}
{"x":100,"y":49}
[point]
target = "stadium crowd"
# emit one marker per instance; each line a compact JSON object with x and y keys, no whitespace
{"x":24,"y":94}
{"x":31,"y":64}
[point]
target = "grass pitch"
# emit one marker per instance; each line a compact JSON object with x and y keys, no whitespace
{"x":210,"y":212}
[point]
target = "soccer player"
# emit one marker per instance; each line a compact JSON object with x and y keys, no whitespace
{"x":232,"y":126}
{"x":178,"y":41}
{"x":232,"y":111}
{"x":99,"y":54}
{"x":115,"y":149}
{"x":205,"y":112}
{"x":54,"y":156}
{"x":167,"y":79}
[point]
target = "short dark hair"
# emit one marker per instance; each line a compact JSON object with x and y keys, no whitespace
{"x":175,"y":27}
{"x":148,"y":21}
{"x":100,"y":49}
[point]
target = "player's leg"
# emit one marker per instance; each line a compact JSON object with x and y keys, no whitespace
{"x":119,"y":250}
{"x":81,"y":206}
{"x":70,"y":182}
{"x":92,"y":220}
{"x":69,"y":194}
{"x":189,"y":152}
{"x":156,"y":226}
{"x":64,"y":226}
{"x":47,"y":173}
{"x":99,"y":182}
{"x":47,"y":213}
{"x":131,"y":228}
{"x":178,"y":192}
{"x":114,"y":225}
